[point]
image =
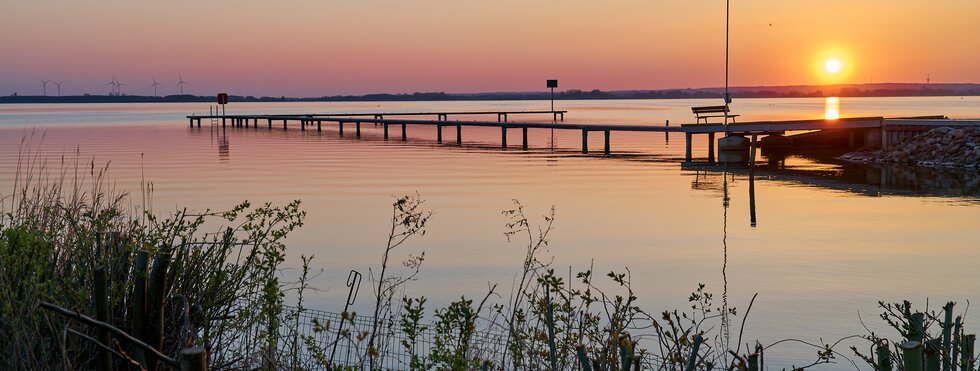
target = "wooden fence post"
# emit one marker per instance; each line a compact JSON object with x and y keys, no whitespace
{"x":156,"y":294}
{"x":193,"y":359}
{"x":137,"y":317}
{"x":101,"y":297}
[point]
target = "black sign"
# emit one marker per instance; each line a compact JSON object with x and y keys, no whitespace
{"x":552,"y":83}
{"x":223,"y":98}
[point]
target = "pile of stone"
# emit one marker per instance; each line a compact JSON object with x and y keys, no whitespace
{"x":939,"y":147}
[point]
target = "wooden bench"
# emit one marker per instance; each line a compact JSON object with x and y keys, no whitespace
{"x":703,"y":113}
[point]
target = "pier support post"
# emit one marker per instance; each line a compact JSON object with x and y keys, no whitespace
{"x":302,"y":127}
{"x":459,"y":134}
{"x":687,"y":147}
{"x":607,"y":142}
{"x":884,"y":137}
{"x":386,"y":130}
{"x":198,"y":122}
{"x":270,"y":123}
{"x":318,"y":124}
{"x":503,"y":137}
{"x":524,"y":137}
{"x":439,"y":133}
{"x":404,"y":132}
{"x":711,"y":147}
{"x":192,"y":122}
{"x":284,"y":124}
{"x":585,"y":141}
{"x":753,"y":146}
{"x":340,"y":126}
{"x":357,"y":129}
{"x":256,"y":124}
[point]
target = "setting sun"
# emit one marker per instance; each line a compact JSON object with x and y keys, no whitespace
{"x":832,"y":66}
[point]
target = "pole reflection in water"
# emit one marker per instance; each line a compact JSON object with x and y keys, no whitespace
{"x":725,"y":320}
{"x":220,"y":135}
{"x":752,"y":195}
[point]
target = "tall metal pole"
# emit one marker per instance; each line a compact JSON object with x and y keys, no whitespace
{"x":728,"y":98}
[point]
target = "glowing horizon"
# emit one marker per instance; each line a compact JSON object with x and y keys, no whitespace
{"x":312,"y":48}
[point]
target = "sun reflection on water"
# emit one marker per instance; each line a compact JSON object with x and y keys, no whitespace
{"x":832,"y":108}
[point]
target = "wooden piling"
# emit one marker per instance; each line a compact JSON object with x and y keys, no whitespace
{"x":606,"y":150}
{"x":318,"y":126}
{"x":284,"y":124}
{"x":687,"y":147}
{"x":459,"y":134}
{"x":404,"y":132}
{"x":340,"y":126}
{"x":711,"y":146}
{"x":503,"y":137}
{"x":386,"y":130}
{"x":753,"y":146}
{"x":524,"y":138}
{"x":357,"y":128}
{"x":270,"y":123}
{"x":439,"y":134}
{"x":585,"y":141}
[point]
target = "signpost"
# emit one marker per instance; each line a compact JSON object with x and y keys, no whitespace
{"x":222,"y":100}
{"x":552,"y":84}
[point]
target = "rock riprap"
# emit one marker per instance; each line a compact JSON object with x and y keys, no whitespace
{"x":939,"y":147}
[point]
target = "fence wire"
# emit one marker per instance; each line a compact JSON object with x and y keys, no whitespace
{"x":391,"y":340}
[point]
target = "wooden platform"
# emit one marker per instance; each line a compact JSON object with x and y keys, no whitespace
{"x":886,"y":130}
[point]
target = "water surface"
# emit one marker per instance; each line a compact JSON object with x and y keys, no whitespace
{"x":829,"y":239}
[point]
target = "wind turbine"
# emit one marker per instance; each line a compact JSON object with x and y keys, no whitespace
{"x":113,"y":86}
{"x":59,"y":86}
{"x":44,"y":86}
{"x":154,"y":86}
{"x":181,"y":83}
{"x":119,"y":87}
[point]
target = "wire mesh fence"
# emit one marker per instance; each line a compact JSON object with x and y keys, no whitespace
{"x":323,"y":330}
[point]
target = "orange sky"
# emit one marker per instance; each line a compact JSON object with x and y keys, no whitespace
{"x":317,"y":47}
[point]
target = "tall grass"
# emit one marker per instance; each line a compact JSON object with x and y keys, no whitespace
{"x":219,"y":290}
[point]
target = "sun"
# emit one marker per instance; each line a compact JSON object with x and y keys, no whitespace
{"x":832,"y":66}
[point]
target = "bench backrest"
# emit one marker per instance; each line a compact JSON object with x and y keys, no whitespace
{"x":709,"y":109}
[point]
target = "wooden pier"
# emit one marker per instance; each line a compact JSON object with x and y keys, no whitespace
{"x":869,"y":131}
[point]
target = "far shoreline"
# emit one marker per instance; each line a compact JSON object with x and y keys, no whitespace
{"x":884,"y":90}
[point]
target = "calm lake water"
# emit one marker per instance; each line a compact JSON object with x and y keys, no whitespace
{"x":830,"y":240}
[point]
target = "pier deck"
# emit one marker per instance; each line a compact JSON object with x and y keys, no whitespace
{"x":874,"y":130}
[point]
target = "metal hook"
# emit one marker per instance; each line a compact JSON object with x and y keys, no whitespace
{"x":354,"y":282}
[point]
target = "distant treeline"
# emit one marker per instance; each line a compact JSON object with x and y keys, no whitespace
{"x":573,"y":94}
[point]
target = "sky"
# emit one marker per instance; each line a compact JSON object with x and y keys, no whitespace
{"x":332,"y":47}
